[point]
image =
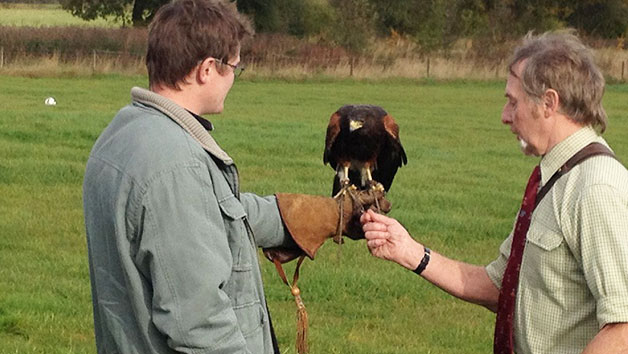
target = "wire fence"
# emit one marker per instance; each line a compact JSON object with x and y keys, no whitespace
{"x":94,"y":57}
{"x":270,"y":64}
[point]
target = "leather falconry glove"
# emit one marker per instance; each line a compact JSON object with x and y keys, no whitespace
{"x":311,"y":219}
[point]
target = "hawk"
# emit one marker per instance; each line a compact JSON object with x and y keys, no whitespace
{"x":363,"y":146}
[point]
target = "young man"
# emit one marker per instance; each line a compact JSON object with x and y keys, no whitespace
{"x":559,"y":284}
{"x":172,"y":242}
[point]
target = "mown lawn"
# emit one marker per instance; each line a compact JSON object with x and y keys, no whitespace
{"x":45,"y":15}
{"x":458,"y":194}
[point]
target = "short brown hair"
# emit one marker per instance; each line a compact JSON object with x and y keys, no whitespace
{"x":185,"y":32}
{"x":560,"y":61}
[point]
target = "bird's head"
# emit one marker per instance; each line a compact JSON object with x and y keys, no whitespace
{"x":355,"y":125}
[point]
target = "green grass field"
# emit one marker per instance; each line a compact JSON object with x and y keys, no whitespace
{"x":458,"y":194}
{"x":45,"y":15}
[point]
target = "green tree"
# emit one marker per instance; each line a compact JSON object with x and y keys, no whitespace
{"x":354,"y":25}
{"x":264,"y":13}
{"x":291,"y":16}
{"x":318,"y":17}
{"x":433,"y":24}
{"x":599,"y":18}
{"x":470,"y":18}
{"x":434,"y":32}
{"x":283,"y":16}
{"x":136,"y":12}
{"x":402,"y":16}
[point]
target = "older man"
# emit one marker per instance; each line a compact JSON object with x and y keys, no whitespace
{"x":560,"y":282}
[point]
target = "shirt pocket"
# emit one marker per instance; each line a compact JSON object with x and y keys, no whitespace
{"x":544,"y":238}
{"x":543,"y":260}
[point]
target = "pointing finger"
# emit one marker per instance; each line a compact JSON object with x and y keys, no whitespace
{"x":365,"y":218}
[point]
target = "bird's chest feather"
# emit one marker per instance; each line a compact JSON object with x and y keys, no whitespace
{"x":359,"y":145}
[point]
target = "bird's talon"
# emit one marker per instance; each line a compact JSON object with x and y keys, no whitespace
{"x":346,"y":186}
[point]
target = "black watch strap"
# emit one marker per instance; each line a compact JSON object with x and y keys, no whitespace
{"x":424,"y":261}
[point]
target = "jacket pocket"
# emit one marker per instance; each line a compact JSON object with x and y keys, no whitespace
{"x":231,"y":207}
{"x":251,"y":319}
{"x":241,"y":284}
{"x":237,"y":235}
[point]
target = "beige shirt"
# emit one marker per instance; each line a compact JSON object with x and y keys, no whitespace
{"x":574,"y":272}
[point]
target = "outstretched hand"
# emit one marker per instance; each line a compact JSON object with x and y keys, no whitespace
{"x":387,"y":239}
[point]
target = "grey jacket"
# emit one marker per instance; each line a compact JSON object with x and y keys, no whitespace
{"x":172,"y":256}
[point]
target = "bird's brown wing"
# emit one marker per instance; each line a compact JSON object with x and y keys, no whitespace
{"x":391,"y":127}
{"x":392,"y":155}
{"x":393,"y":132}
{"x":332,"y":132}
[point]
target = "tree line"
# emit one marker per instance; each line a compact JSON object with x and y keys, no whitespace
{"x":432,"y":24}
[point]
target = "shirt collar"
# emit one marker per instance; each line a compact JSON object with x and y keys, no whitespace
{"x":204,"y":122}
{"x":563,"y":151}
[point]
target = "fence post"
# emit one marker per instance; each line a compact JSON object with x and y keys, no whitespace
{"x":499,"y":64}
{"x":1,"y":57}
{"x":351,"y":66}
{"x":94,"y":60}
{"x":428,"y":67}
{"x":623,"y":66}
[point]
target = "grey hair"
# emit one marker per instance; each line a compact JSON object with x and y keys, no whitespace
{"x":560,"y":61}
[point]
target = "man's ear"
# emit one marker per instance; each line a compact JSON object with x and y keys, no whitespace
{"x":551,"y":102}
{"x":204,"y":70}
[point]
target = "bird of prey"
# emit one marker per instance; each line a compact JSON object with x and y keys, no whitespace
{"x":363,"y":146}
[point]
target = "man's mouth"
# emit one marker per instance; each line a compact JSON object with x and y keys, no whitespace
{"x":523,"y":144}
{"x":516,"y":133}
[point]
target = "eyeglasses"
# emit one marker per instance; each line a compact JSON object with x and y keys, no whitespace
{"x":237,"y":69}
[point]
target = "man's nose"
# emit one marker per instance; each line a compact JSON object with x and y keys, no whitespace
{"x":506,"y":116}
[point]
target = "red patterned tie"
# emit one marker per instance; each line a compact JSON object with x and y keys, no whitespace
{"x":504,"y":343}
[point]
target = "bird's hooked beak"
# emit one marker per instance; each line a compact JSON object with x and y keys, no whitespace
{"x":355,"y":125}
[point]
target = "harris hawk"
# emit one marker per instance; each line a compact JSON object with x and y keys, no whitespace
{"x":363,"y":147}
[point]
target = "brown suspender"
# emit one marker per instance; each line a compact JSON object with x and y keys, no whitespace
{"x":590,"y":150}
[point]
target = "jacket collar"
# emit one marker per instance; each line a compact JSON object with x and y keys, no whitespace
{"x":182,"y":117}
{"x":204,"y":122}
